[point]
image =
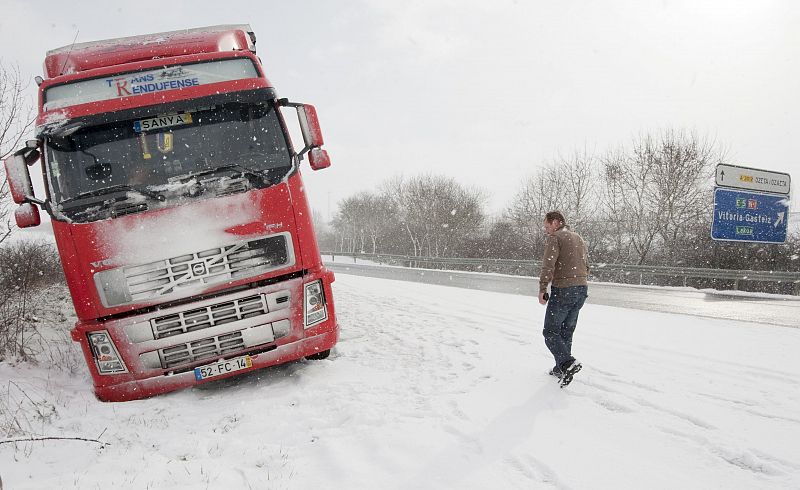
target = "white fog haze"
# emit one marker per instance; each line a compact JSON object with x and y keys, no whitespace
{"x":486,"y":92}
{"x":523,"y":268}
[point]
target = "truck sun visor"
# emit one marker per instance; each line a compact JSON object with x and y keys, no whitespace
{"x":145,"y":82}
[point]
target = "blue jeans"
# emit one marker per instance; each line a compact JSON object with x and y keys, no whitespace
{"x":561,"y":319}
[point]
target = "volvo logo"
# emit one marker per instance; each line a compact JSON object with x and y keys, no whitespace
{"x":199,"y":269}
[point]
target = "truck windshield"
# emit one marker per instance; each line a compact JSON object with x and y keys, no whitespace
{"x":156,"y":154}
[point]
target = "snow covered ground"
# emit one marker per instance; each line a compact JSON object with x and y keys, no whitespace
{"x":435,"y":387}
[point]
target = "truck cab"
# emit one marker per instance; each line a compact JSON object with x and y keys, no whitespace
{"x":178,"y":209}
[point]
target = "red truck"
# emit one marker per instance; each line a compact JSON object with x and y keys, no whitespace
{"x":178,"y":209}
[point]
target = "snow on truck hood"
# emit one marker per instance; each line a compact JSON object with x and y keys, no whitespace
{"x":175,"y":231}
{"x":172,"y":232}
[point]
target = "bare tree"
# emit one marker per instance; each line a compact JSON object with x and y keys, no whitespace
{"x":363,"y":221}
{"x":438,"y":215}
{"x":613,"y":206}
{"x":541,"y":192}
{"x":683,"y":166}
{"x":25,"y":267}
{"x":654,"y":190}
{"x":16,"y":119}
{"x":380,"y":219}
{"x":346,"y":222}
{"x":642,"y":205}
{"x":504,"y":241}
{"x":566,"y":184}
{"x":6,"y":226}
{"x":577,"y":175}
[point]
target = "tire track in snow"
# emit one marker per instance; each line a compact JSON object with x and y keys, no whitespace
{"x":735,"y":378}
{"x":535,"y":470}
{"x":662,"y":356}
{"x":472,"y":451}
{"x":744,"y":459}
{"x":746,"y":406}
{"x":714,"y":442}
{"x":464,"y":457}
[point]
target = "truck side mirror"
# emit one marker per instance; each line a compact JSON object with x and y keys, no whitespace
{"x":309,"y":124}
{"x":19,"y":178}
{"x":319,"y":159}
{"x":312,"y":134}
{"x":19,"y":183}
{"x":27,"y":215}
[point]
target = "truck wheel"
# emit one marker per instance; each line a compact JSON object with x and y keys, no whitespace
{"x":319,"y":355}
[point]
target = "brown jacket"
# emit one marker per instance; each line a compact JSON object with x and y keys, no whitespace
{"x":565,"y":261}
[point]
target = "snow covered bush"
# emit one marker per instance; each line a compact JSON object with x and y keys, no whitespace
{"x":26,"y":270}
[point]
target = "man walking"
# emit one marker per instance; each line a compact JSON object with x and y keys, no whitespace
{"x":565,"y":263}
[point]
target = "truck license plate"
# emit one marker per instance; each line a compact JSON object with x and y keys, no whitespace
{"x":222,"y":367}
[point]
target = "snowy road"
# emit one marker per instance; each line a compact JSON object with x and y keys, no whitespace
{"x":437,"y":387}
{"x":735,"y":305}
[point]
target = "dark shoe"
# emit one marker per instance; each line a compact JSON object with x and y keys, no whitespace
{"x":568,"y":370}
{"x":570,"y":366}
{"x":555,"y":371}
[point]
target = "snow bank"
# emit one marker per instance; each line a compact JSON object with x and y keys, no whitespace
{"x":437,"y":387}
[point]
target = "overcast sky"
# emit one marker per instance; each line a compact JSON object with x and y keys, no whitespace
{"x":486,"y":91}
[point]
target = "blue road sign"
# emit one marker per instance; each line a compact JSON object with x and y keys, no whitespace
{"x":746,"y":216}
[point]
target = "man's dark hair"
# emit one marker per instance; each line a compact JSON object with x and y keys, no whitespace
{"x":555,"y":216}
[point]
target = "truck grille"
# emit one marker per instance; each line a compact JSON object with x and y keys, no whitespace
{"x":209,"y":316}
{"x":213,"y":330}
{"x":197,"y":270}
{"x":212,"y":347}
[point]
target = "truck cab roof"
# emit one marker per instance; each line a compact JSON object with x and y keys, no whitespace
{"x":75,"y":58}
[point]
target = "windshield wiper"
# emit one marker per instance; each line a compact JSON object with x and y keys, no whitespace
{"x":252,"y":175}
{"x":121,"y":187}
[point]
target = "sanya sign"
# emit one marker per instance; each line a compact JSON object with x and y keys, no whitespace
{"x":753,"y":179}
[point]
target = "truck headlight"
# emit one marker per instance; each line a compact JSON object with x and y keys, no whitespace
{"x":316,"y":310}
{"x":105,"y":354}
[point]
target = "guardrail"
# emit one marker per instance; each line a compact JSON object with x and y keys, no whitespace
{"x":787,"y":282}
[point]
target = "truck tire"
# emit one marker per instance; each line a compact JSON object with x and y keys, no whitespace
{"x":319,"y":355}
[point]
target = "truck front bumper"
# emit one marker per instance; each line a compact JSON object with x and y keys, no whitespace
{"x":160,"y":349}
{"x":137,"y":389}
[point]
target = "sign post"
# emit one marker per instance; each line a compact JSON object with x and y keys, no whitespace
{"x":753,"y":179}
{"x":750,"y":205}
{"x":747,"y":216}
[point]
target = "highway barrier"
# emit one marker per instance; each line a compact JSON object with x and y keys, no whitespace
{"x":767,"y":281}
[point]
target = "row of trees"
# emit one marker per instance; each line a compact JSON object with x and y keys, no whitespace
{"x":649,"y":202}
{"x":425,"y":215}
{"x":639,"y":204}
